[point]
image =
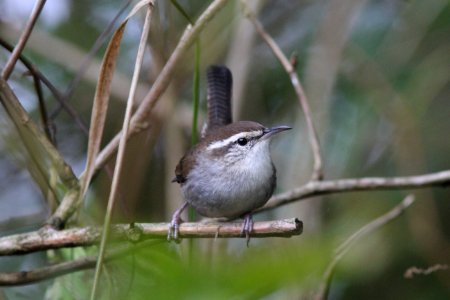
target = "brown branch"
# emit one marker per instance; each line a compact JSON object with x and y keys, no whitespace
{"x":52,"y":271}
{"x":362,"y":232}
{"x":48,"y":238}
{"x":43,"y":110}
{"x":23,"y":39}
{"x":316,"y":188}
{"x":287,"y":65}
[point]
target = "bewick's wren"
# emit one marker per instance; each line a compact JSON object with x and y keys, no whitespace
{"x":229,"y":173}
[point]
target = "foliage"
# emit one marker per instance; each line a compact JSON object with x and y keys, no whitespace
{"x":377,"y":78}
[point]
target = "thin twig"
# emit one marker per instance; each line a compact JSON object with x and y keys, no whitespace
{"x":316,"y":188}
{"x":55,"y":92}
{"x":23,"y":39}
{"x":347,"y":245}
{"x":49,"y":272}
{"x":48,"y":238}
{"x":37,"y":86}
{"x":122,"y":146}
{"x":313,"y":139}
{"x":43,"y":110}
{"x":412,"y":271}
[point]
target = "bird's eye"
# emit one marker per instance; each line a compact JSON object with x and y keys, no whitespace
{"x":242,"y":141}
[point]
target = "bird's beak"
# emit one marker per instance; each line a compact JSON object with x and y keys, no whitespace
{"x":269,"y":132}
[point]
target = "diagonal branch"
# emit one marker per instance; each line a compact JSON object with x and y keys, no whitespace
{"x":38,"y":88}
{"x":316,"y":188}
{"x":46,"y":163}
{"x":55,"y":92}
{"x":99,"y":42}
{"x":313,"y":139}
{"x":23,"y":39}
{"x":48,"y":238}
{"x":362,"y":232}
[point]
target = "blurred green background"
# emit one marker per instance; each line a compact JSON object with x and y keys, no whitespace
{"x":376,"y":74}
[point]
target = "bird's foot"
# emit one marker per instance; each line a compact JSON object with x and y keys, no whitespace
{"x":174,"y":230}
{"x":247,"y":227}
{"x":174,"y":227}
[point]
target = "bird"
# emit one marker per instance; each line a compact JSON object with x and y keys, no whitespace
{"x":229,"y":172}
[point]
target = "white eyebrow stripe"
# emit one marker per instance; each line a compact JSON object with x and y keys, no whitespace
{"x":231,"y":139}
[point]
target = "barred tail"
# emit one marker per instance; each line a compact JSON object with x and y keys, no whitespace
{"x":220,"y":83}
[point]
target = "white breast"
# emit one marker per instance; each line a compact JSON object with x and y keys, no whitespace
{"x":216,"y":189}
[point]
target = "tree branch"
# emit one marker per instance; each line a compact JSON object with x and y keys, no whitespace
{"x":48,"y":238}
{"x":316,"y":188}
{"x":49,"y":272}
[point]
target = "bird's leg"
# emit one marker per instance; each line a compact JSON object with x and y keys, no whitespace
{"x":175,"y":223}
{"x":247,"y":227}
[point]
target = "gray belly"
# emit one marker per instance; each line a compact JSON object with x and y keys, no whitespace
{"x":229,"y":194}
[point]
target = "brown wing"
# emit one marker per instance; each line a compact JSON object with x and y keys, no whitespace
{"x":184,"y":166}
{"x":180,"y":176}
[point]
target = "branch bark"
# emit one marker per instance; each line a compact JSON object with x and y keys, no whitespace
{"x":48,"y":238}
{"x":316,"y":188}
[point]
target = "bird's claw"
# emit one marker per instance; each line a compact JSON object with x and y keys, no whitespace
{"x":174,"y":230}
{"x":247,"y":227}
{"x":174,"y":227}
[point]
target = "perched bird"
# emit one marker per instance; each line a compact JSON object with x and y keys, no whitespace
{"x":229,"y":173}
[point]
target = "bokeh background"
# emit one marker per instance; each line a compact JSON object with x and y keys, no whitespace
{"x":376,"y":74}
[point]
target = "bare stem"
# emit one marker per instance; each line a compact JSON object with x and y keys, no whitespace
{"x":23,"y":39}
{"x":362,"y":232}
{"x":313,"y":139}
{"x":122,"y":147}
{"x":48,"y":238}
